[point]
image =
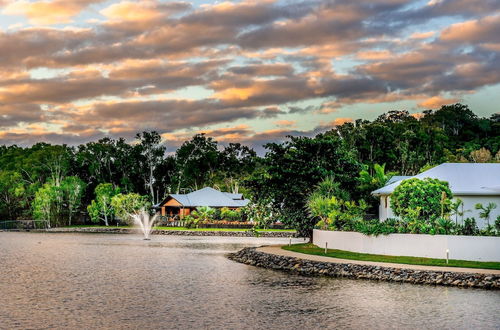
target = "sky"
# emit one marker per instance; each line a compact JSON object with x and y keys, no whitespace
{"x":249,"y":71}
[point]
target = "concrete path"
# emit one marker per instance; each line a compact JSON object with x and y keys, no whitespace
{"x":277,"y":250}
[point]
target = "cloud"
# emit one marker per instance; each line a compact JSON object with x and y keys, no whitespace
{"x":48,"y":12}
{"x":436,"y":102}
{"x":146,"y":10}
{"x":180,"y":68}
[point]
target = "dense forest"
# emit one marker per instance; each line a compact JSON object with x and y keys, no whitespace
{"x":358,"y":156}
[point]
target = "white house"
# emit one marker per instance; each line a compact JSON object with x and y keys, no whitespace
{"x":471,"y":182}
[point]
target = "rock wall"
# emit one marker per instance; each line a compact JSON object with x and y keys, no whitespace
{"x":251,"y":256}
{"x":119,"y":230}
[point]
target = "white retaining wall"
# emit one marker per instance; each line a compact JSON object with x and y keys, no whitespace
{"x":476,"y":248}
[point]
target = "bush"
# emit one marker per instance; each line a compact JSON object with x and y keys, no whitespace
{"x":204,"y":213}
{"x":431,"y":197}
{"x":230,"y":215}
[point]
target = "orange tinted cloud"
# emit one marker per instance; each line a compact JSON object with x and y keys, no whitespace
{"x":48,"y":12}
{"x":285,"y":123}
{"x":436,"y":102}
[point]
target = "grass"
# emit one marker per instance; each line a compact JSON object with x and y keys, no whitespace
{"x":223,"y":229}
{"x":184,"y":228}
{"x":309,"y":248}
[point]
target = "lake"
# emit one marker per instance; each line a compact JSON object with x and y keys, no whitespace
{"x":115,"y":281}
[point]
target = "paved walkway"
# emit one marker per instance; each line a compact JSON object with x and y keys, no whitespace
{"x":277,"y":250}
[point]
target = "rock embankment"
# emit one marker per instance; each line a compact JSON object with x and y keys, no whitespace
{"x":121,"y":230}
{"x":251,"y":256}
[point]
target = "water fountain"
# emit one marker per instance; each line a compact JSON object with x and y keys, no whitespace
{"x":144,"y":221}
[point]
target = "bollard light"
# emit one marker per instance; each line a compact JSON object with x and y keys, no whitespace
{"x":290,"y":241}
{"x":326,"y":247}
{"x":447,"y":255}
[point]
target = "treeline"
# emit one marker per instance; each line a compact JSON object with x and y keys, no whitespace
{"x":281,"y":180}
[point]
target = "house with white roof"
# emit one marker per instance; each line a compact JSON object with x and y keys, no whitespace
{"x":183,"y":204}
{"x":471,"y":182}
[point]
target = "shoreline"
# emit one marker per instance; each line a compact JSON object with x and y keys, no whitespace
{"x":295,"y":263}
{"x":121,"y":230}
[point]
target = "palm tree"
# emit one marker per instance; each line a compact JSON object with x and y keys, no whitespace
{"x":486,"y":211}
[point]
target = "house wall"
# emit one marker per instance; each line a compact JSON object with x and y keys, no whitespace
{"x":475,"y":248}
{"x":469,"y":202}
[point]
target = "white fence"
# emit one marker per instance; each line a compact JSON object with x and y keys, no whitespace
{"x":476,"y":248}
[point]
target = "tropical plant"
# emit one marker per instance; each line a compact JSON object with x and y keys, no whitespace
{"x":485,"y":211}
{"x":204,"y":213}
{"x":327,"y":209}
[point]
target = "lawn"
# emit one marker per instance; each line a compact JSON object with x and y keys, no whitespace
{"x":292,"y":231}
{"x":314,"y":250}
{"x":223,"y":229}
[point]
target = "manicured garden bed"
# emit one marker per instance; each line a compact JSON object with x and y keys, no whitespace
{"x":314,"y":250}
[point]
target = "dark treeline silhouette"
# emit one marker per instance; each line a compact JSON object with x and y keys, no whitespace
{"x":282,"y":179}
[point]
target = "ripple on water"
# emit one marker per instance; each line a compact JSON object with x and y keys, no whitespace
{"x":121,"y":281}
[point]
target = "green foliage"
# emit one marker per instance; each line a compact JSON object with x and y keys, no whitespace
{"x":261,"y":213}
{"x":190,"y":221}
{"x":497,"y":224}
{"x":12,"y":193}
{"x":204,"y":213}
{"x":485,"y":211}
{"x":45,"y":197}
{"x":430,"y":196}
{"x":230,"y":215}
{"x":294,"y":168}
{"x":73,"y":189}
{"x":125,"y":205}
{"x":100,"y":208}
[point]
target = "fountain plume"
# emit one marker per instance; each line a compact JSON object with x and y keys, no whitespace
{"x":144,"y":221}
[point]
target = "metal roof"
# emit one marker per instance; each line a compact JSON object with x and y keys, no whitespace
{"x":397,"y":178}
{"x":209,"y":197}
{"x":464,"y":178}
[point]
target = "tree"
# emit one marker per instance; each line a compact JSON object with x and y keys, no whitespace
{"x":430,"y":196}
{"x":44,"y":204}
{"x":485,"y":211}
{"x":73,"y":189}
{"x":482,"y":155}
{"x":197,"y":161}
{"x":100,"y":208}
{"x":153,"y":153}
{"x":291,"y":171}
{"x":12,"y":192}
{"x":236,"y":163}
{"x":125,"y":205}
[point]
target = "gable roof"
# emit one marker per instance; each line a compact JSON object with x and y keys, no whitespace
{"x":208,"y":197}
{"x":464,"y":178}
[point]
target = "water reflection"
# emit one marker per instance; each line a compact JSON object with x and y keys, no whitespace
{"x":121,"y":281}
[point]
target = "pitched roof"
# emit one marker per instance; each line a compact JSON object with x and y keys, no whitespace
{"x":209,"y":197}
{"x":464,"y":178}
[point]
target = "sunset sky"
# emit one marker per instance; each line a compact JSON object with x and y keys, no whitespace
{"x":249,"y":71}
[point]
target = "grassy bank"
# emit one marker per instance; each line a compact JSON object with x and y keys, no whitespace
{"x":291,"y":231}
{"x":314,"y":250}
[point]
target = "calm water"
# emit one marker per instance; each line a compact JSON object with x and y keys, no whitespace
{"x":120,"y":281}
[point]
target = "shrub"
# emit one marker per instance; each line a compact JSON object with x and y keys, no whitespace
{"x":230,"y":215}
{"x":430,"y":196}
{"x":204,"y":213}
{"x":469,"y":227}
